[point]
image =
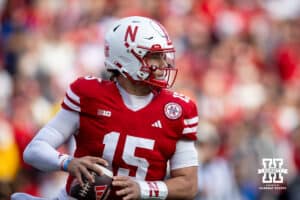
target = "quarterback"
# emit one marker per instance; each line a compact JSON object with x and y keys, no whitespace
{"x":131,"y":123}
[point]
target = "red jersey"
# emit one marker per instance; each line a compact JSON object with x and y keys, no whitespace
{"x":135,"y":143}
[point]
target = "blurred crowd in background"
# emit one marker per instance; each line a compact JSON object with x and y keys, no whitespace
{"x":238,"y":59}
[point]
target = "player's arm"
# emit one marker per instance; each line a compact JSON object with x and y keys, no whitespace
{"x":41,"y":152}
{"x":183,"y":183}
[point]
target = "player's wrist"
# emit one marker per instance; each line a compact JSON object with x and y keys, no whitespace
{"x":153,"y":190}
{"x":65,"y":163}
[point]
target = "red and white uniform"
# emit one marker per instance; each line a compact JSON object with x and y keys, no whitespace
{"x":135,"y":143}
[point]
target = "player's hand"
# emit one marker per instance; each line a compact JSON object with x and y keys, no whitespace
{"x":80,"y":167}
{"x":129,"y":189}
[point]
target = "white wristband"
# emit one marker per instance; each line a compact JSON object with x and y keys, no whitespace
{"x":153,"y":189}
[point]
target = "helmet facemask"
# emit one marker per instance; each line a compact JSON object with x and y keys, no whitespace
{"x":161,"y":72}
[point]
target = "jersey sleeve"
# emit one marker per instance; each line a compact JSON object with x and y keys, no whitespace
{"x":190,"y":121}
{"x":73,"y":96}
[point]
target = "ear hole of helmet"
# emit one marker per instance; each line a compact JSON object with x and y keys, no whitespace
{"x":113,"y":74}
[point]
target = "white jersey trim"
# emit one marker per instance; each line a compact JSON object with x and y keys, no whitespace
{"x":191,"y":121}
{"x":73,"y":96}
{"x":71,"y":105}
{"x":190,"y":130}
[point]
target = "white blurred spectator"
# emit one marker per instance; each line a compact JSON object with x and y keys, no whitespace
{"x":57,"y":59}
{"x":6,"y":88}
{"x":215,"y":178}
{"x":228,"y":24}
{"x":179,"y":7}
{"x":282,"y":9}
{"x":249,"y":91}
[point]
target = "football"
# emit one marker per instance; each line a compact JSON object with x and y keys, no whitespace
{"x":99,"y":190}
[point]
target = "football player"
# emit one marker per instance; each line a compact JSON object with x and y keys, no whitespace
{"x":132,"y":124}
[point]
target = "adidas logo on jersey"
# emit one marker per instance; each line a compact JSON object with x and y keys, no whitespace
{"x":157,"y":124}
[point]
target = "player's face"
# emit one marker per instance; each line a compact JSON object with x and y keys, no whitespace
{"x":160,"y":69}
{"x":157,"y":62}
